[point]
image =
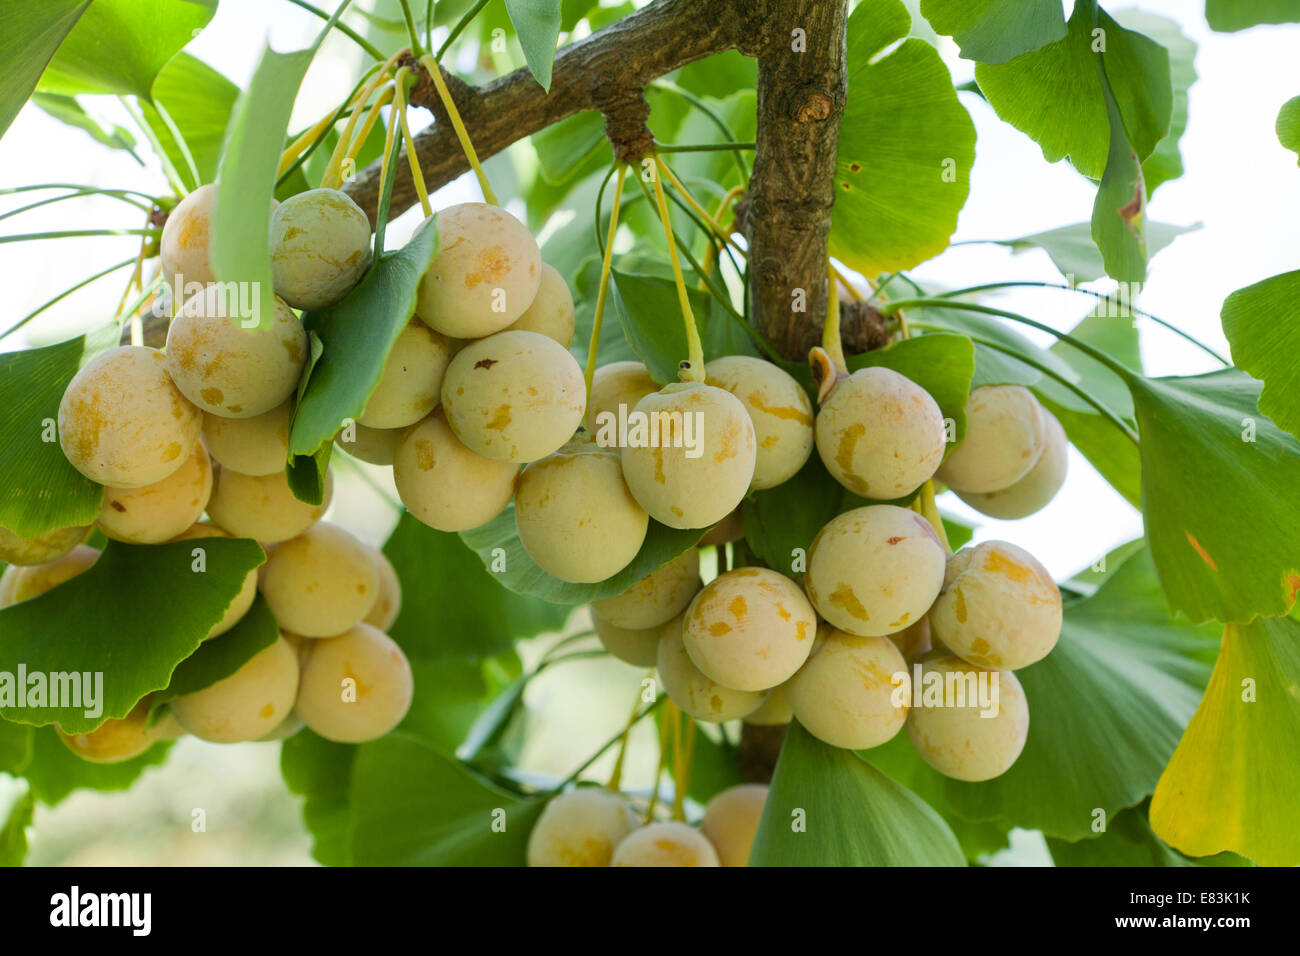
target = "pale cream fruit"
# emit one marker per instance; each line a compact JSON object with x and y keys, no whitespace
{"x":262,"y":507}
{"x":514,"y":396}
{"x":1006,"y":432}
{"x":161,"y":511}
{"x":355,"y":687}
{"x":444,"y":484}
{"x":575,"y":516}
{"x":689,"y":689}
{"x":42,"y":548}
{"x":412,"y":379}
{"x":853,"y":693}
{"x":618,"y":384}
{"x":485,"y":275}
{"x":971,"y":723}
{"x":875,"y":570}
{"x":20,"y":584}
{"x":731,"y":822}
{"x":880,"y":434}
{"x":639,"y":648}
{"x":657,"y":598}
{"x":123,"y":423}
{"x":692,"y":462}
{"x":248,"y":704}
{"x":186,"y":243}
{"x":749,"y":629}
{"x":119,"y":739}
{"x":320,"y":247}
{"x":286,"y":729}
{"x":247,"y":591}
{"x":999,"y":607}
{"x":665,"y":844}
{"x":250,"y":446}
{"x":229,"y":370}
{"x":775,"y":709}
{"x":388,"y":603}
{"x":914,"y":640}
{"x":375,"y":445}
{"x":731,"y":528}
{"x":1039,"y":485}
{"x":551,"y":313}
{"x":321,"y":583}
{"x":581,"y":828}
{"x":779,"y":408}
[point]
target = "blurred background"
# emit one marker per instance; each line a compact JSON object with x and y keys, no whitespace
{"x":1239,"y":184}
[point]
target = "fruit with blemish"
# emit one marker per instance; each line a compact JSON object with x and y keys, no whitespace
{"x":19,"y":583}
{"x":388,"y":603}
{"x":377,"y":446}
{"x":411,"y":382}
{"x":355,"y":687}
{"x":320,"y":247}
{"x":853,"y":691}
{"x":657,"y":598}
{"x":446,"y":485}
{"x":158,"y":512}
{"x":263,"y":507}
{"x":1005,"y":435}
{"x":250,"y":446}
{"x":697,"y":695}
{"x":581,"y":828}
{"x":779,"y":409}
{"x":247,"y":704}
{"x":731,"y":819}
{"x":775,"y":709}
{"x":119,"y":739}
{"x":186,"y":242}
{"x":618,"y":384}
{"x":551,"y":313}
{"x":665,"y":844}
{"x":41,"y":548}
{"x":321,"y":583}
{"x":1039,"y":485}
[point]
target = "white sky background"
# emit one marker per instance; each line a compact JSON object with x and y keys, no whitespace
{"x":1239,"y":182}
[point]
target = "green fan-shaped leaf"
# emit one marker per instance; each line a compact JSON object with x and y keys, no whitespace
{"x":1229,"y":16}
{"x":1073,"y":251}
{"x":1106,"y":707}
{"x":1288,"y":124}
{"x":415,"y":807}
{"x":15,"y":747}
{"x":55,"y":772}
{"x":994,"y":31}
{"x":66,"y":109}
{"x":538,"y":24}
{"x":200,"y":102}
{"x":781,"y":522}
{"x":1166,"y":161}
{"x":1262,"y":323}
{"x":828,"y":807}
{"x":1119,"y":212}
{"x":562,"y":149}
{"x":1233,"y":781}
{"x":13,"y":835}
{"x":1129,"y":841}
{"x":905,"y":151}
{"x":320,"y":771}
{"x":29,"y":35}
{"x":130,"y":618}
{"x":39,"y":490}
{"x":119,"y":46}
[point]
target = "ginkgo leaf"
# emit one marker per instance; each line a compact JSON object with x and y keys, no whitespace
{"x":994,"y":31}
{"x":1262,"y":324}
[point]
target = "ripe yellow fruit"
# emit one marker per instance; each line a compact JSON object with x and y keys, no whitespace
{"x":779,"y":408}
{"x":15,"y":549}
{"x":749,"y":629}
{"x":161,"y":511}
{"x":581,"y":828}
{"x":119,"y":739}
{"x":444,"y":484}
{"x":186,"y":240}
{"x":486,"y":273}
{"x":20,"y":584}
{"x":321,"y":583}
{"x":775,"y":709}
{"x":880,"y":434}
{"x":961,"y":735}
{"x":731,"y":821}
{"x":412,"y":379}
{"x":262,"y":507}
{"x":694,"y":460}
{"x":123,"y":423}
{"x":247,"y":591}
{"x":999,"y":607}
{"x":1039,"y":485}
{"x":375,"y":445}
{"x":229,"y":370}
{"x":875,"y":570}
{"x":657,"y":598}
{"x":913,"y":641}
{"x":248,"y":704}
{"x":640,"y":648}
{"x":1005,"y":435}
{"x":551,"y":313}
{"x":389,"y":602}
{"x":853,"y":692}
{"x":355,"y":687}
{"x":575,"y":516}
{"x":320,"y":247}
{"x":250,"y":446}
{"x":617,"y":384}
{"x":689,"y":689}
{"x":514,"y":396}
{"x":665,"y":844}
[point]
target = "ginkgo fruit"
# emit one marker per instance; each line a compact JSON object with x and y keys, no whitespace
{"x":971,"y":723}
{"x":320,"y":247}
{"x":875,"y":570}
{"x":446,"y":485}
{"x":411,"y":382}
{"x":614,"y":386}
{"x":355,"y":687}
{"x":775,"y":709}
{"x":242,"y":601}
{"x":731,"y":821}
{"x":581,"y":828}
{"x":388,"y":602}
{"x":514,"y":396}
{"x":122,"y":421}
{"x":250,"y":446}
{"x":231,"y":370}
{"x":378,"y":446}
{"x":1005,"y":435}
{"x":122,"y":738}
{"x":263,"y":507}
{"x":639,"y":648}
{"x":697,"y":695}
{"x":665,"y":844}
{"x":246,"y":705}
{"x":655,"y":599}
{"x":575,"y":516}
{"x":913,"y":641}
{"x":485,"y":275}
{"x":551,"y":313}
{"x":41,"y":548}
{"x":853,"y":692}
{"x":780,"y":410}
{"x":694,"y":460}
{"x":999,"y":607}
{"x":321,"y":583}
{"x":185,"y":245}
{"x":749,"y":629}
{"x":158,"y":512}
{"x":19,"y":583}
{"x":1039,"y":485}
{"x":880,"y":434}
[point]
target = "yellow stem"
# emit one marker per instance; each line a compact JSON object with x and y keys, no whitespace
{"x":711,"y":253}
{"x":691,"y":201}
{"x":372,"y":116}
{"x":695,"y":351}
{"x":831,"y":329}
{"x":604,"y":279}
{"x":435,"y":72}
{"x":679,"y":792}
{"x":930,"y":511}
{"x":669,"y":707}
{"x":299,"y":145}
{"x":412,"y":160}
{"x":616,"y":778}
{"x":390,"y":141}
{"x":853,"y":292}
{"x":332,"y":178}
